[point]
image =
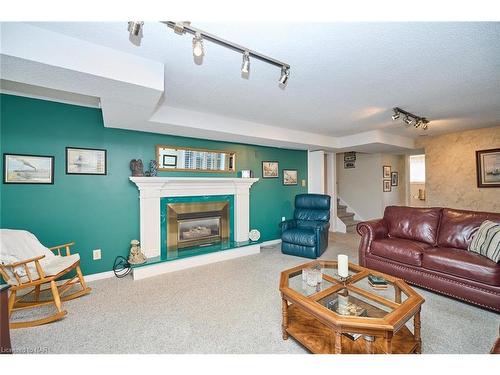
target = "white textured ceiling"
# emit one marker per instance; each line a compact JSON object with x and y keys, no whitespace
{"x":345,"y":77}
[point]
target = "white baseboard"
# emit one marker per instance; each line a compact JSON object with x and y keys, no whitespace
{"x":270,"y":243}
{"x":199,"y":260}
{"x":99,"y":276}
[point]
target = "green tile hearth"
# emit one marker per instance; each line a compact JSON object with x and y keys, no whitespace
{"x":195,"y":251}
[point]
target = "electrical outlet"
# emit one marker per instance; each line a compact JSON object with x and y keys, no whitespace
{"x":303,"y":182}
{"x":96,"y":254}
{"x":283,"y":218}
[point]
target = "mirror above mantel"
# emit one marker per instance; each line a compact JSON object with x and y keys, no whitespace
{"x":175,"y":158}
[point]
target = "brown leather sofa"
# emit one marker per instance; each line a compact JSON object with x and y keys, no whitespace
{"x":428,"y":247}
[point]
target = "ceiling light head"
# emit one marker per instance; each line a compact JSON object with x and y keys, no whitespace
{"x":285,"y":73}
{"x":179,"y":27}
{"x":135,"y":28}
{"x":198,"y":46}
{"x":407,"y":120}
{"x":396,"y":115}
{"x":425,"y":123}
{"x":418,"y":122}
{"x":245,"y":65}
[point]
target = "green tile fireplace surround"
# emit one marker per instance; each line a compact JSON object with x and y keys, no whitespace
{"x":102,"y":212}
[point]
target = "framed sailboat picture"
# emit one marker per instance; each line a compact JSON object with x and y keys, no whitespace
{"x":488,"y":168}
{"x":28,"y":169}
{"x":85,"y":161}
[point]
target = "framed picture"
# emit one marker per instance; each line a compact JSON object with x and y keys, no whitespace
{"x":28,"y":169}
{"x":387,"y":186}
{"x":350,"y":156}
{"x":290,"y":177}
{"x":169,"y":160}
{"x":488,"y":168}
{"x":386,"y":171}
{"x":394,"y":178}
{"x":349,"y":164}
{"x":270,"y":169}
{"x":85,"y":161}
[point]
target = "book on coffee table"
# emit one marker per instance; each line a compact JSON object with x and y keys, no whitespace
{"x":377,"y":282}
{"x":377,"y":286}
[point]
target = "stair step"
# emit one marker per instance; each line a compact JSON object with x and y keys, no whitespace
{"x":345,"y":215}
{"x":341,"y":207}
{"x":351,"y":223}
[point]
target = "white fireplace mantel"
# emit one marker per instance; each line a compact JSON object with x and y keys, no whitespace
{"x":152,"y":189}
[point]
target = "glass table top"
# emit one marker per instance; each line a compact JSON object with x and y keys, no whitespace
{"x":358,"y":296}
{"x":389,"y":292}
{"x":352,"y":304}
{"x":297,"y":283}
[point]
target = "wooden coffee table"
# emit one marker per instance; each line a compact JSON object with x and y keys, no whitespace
{"x":323,"y":317}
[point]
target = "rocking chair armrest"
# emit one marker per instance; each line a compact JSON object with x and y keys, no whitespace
{"x":13,"y":274}
{"x":59,"y":247}
{"x":20,"y":263}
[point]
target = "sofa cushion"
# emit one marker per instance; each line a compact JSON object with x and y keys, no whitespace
{"x":300,"y":236}
{"x":457,"y":227}
{"x":417,"y":224}
{"x":400,"y":250}
{"x":462,"y":263}
{"x":486,"y":241}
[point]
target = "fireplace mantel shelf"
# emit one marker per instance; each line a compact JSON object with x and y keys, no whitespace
{"x":167,"y":182}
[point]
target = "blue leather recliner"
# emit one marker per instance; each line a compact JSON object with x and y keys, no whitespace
{"x":306,"y":235}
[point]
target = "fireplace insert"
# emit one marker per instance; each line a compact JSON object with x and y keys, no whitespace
{"x":196,"y":224}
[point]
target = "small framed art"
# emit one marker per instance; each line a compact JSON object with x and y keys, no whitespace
{"x":28,"y":169}
{"x":270,"y":169}
{"x":488,"y":168}
{"x":387,"y":186}
{"x":290,"y":177}
{"x":394,"y":178}
{"x":386,"y":171}
{"x":85,"y":161}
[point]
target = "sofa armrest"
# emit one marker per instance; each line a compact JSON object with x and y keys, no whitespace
{"x":369,"y":231}
{"x":375,"y":229}
{"x":288,"y":224}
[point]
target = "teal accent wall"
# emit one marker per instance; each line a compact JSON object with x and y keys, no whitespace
{"x":102,"y":212}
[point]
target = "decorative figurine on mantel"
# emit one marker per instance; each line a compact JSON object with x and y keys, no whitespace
{"x":153,"y":168}
{"x":136,"y":256}
{"x":137,"y":168}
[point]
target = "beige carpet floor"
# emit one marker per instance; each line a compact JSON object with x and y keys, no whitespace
{"x":227,"y":307}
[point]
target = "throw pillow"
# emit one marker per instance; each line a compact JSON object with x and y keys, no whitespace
{"x":486,"y":241}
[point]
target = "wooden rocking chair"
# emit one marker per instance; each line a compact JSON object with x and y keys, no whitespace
{"x":27,"y":277}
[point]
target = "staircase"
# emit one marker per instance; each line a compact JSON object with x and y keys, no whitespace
{"x":346,"y":217}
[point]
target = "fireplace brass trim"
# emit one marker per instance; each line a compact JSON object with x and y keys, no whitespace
{"x":176,"y":209}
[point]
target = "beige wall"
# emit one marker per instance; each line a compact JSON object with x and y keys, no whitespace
{"x":451,"y":170}
{"x":396,"y":196}
{"x":361,"y":187}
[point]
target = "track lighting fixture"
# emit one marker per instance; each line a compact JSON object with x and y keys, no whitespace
{"x":410,"y":118}
{"x":285,"y":73}
{"x":245,"y":65}
{"x":135,"y":27}
{"x":198,"y":46}
{"x":181,"y":28}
